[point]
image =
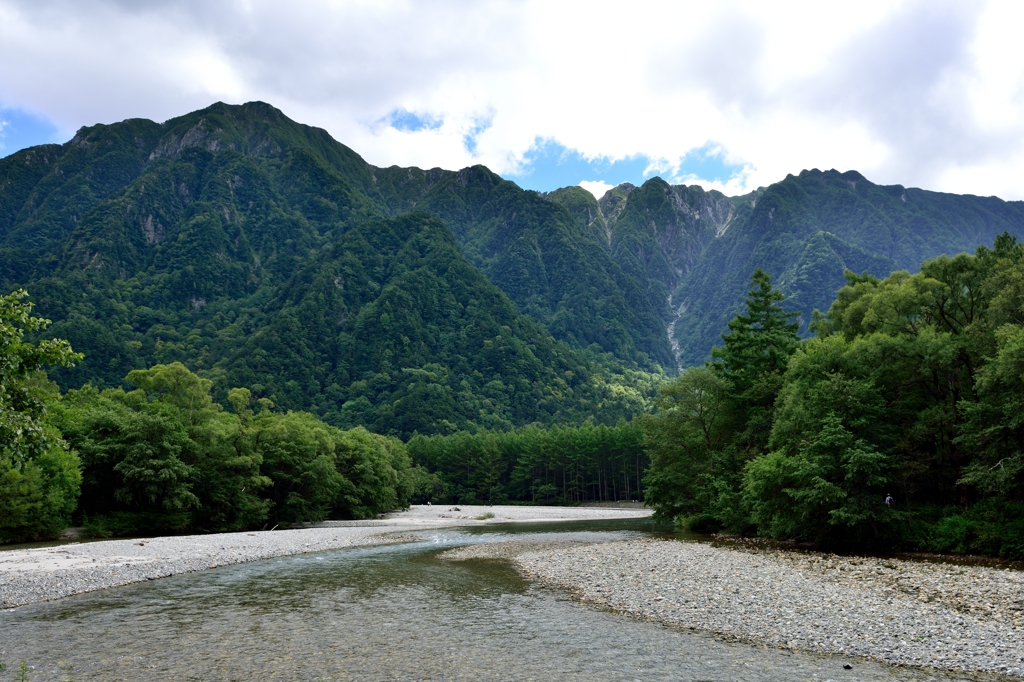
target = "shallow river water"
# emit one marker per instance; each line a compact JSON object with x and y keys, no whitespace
{"x":392,"y":612}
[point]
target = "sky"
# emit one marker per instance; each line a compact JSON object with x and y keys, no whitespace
{"x":728,"y":95}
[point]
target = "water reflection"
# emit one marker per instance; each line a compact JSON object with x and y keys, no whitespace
{"x":380,"y":613}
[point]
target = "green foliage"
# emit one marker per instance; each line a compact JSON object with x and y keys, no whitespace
{"x":753,"y":358}
{"x":233,"y":247}
{"x":807,"y":230}
{"x":545,"y":253}
{"x":297,"y":452}
{"x":687,"y":439}
{"x":658,"y":233}
{"x":164,"y":455}
{"x":424,"y":486}
{"x":911,"y":390}
{"x":376,"y":465}
{"x":991,"y":526}
{"x":711,"y":420}
{"x":39,"y":477}
{"x":261,"y":253}
{"x":166,"y":458}
{"x":391,"y":328}
{"x":558,"y":465}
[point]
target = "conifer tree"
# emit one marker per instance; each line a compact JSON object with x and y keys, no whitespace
{"x":753,"y":358}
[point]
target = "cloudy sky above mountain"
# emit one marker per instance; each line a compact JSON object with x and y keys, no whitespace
{"x":731,"y":95}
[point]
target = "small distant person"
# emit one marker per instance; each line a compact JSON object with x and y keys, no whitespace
{"x":428,"y":503}
{"x":888,"y":500}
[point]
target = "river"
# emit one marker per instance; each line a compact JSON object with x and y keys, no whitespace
{"x":393,"y":612}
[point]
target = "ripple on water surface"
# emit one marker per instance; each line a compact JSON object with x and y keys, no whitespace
{"x":377,"y":613}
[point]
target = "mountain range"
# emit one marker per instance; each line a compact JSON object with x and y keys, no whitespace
{"x":263,"y":253}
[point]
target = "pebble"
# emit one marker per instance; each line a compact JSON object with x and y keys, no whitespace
{"x":909,"y":613}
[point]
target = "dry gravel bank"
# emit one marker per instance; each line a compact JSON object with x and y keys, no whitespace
{"x":462,"y":514}
{"x":33,"y":575}
{"x":45,"y":573}
{"x":902,"y":612}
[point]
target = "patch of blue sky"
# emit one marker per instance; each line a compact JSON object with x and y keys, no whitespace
{"x":549,"y":165}
{"x":20,"y":129}
{"x":479,"y":126}
{"x":410,"y":121}
{"x":706,"y":163}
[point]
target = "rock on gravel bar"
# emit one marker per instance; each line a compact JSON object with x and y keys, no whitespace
{"x":33,"y":575}
{"x":902,"y":612}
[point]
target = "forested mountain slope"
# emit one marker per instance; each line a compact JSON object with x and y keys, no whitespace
{"x":693,"y":251}
{"x":260,"y":190}
{"x":203,"y":240}
{"x":558,"y":270}
{"x":260,"y":252}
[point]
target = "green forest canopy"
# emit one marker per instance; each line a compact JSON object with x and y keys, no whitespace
{"x":911,"y":388}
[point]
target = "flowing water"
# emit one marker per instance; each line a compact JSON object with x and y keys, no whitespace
{"x":392,"y":612}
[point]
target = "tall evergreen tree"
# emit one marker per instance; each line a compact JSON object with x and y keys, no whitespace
{"x":712,"y":420}
{"x":753,"y":358}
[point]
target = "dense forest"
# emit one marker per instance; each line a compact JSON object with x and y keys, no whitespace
{"x":557,"y":465}
{"x":211,"y":239}
{"x":262,"y":253}
{"x":898,"y":425}
{"x":163,"y":457}
{"x":693,"y":250}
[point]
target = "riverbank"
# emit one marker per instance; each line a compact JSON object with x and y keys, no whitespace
{"x":46,"y":573}
{"x":961,"y":618}
{"x":462,"y":514}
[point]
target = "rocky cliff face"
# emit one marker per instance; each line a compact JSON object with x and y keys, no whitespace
{"x":694,"y":251}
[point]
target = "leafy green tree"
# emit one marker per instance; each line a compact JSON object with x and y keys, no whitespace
{"x":39,"y":476}
{"x":713,"y":419}
{"x":911,"y":390}
{"x":833,"y":461}
{"x":163,"y":457}
{"x":374,"y":467}
{"x":226,"y":470}
{"x":561,"y":464}
{"x":133,"y":453}
{"x":425,"y":486}
{"x":298,"y":456}
{"x":687,"y":439}
{"x":166,"y":457}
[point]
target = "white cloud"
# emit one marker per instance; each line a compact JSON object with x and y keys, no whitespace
{"x":596,"y":187}
{"x":920,"y":93}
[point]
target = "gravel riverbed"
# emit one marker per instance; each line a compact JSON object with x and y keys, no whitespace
{"x":961,"y":618}
{"x":42,"y":574}
{"x":45,"y":573}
